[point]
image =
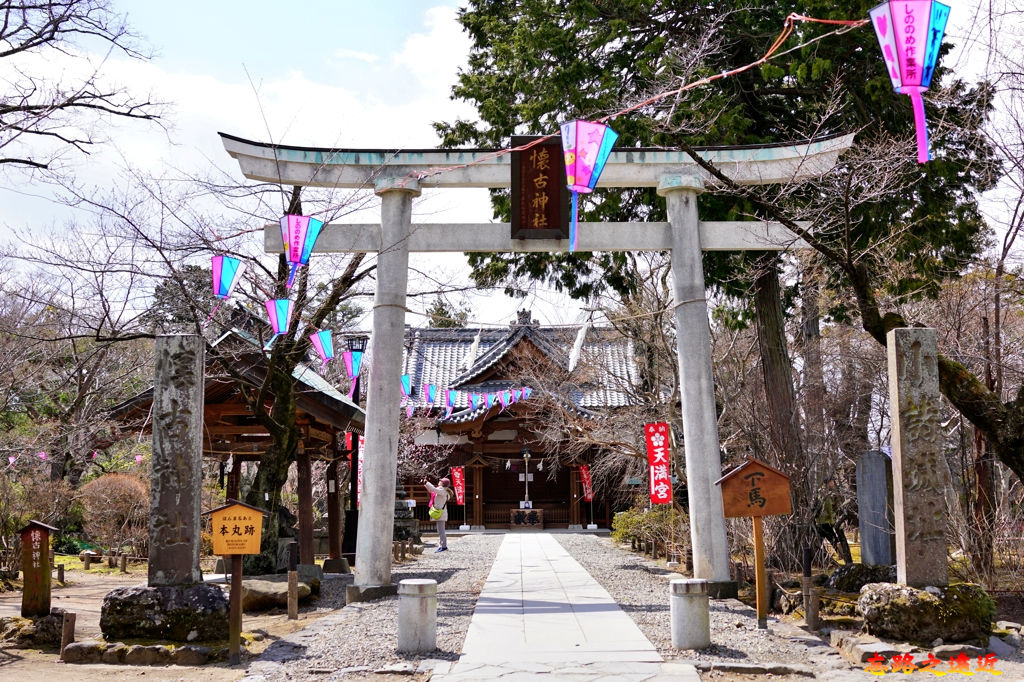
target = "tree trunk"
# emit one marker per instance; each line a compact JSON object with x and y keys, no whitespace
{"x":814,"y":382}
{"x":784,"y":421}
{"x":272,"y":473}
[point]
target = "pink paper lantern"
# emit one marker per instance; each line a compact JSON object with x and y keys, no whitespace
{"x":910,"y":34}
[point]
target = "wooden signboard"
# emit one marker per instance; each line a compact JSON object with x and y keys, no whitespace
{"x":237,"y":529}
{"x":35,"y":564}
{"x":756,"y":490}
{"x":540,"y":197}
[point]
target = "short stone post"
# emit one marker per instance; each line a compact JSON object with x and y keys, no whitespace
{"x":812,"y":608}
{"x":67,"y":632}
{"x":86,"y":561}
{"x":394,"y":550}
{"x":293,"y":581}
{"x":810,"y":602}
{"x":111,"y":560}
{"x":124,"y":563}
{"x":417,"y":615}
{"x":60,"y":573}
{"x":688,"y":609}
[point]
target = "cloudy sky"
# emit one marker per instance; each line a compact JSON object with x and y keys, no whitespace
{"x":319,"y":72}
{"x":329,"y":73}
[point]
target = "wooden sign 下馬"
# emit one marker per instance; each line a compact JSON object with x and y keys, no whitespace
{"x":755,"y":489}
{"x":236,"y":529}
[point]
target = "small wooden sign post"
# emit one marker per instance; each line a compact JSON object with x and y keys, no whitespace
{"x":237,"y":529}
{"x":755,"y":489}
{"x":35,"y":564}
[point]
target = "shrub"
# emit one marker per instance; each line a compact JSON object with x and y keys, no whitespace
{"x":662,"y":524}
{"x":117,"y":511}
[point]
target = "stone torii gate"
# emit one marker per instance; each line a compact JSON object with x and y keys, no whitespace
{"x":393,"y":175}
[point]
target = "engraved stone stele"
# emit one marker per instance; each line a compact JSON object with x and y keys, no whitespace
{"x":919,"y":472}
{"x":176,"y":604}
{"x":176,"y":481}
{"x":874,"y":509}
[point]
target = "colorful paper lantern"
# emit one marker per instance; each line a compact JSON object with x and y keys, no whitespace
{"x":324,"y":345}
{"x":910,"y":34}
{"x":299,"y":234}
{"x":279,"y":310}
{"x":587,"y":146}
{"x":353,"y":359}
{"x":227,"y":273}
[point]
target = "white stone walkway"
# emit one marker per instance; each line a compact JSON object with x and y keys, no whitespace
{"x":541,"y":615}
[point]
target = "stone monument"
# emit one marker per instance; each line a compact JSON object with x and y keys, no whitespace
{"x":919,"y":473}
{"x":874,"y":509}
{"x":176,"y":604}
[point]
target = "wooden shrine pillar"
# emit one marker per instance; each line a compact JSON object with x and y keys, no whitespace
{"x":304,"y":471}
{"x":234,"y":480}
{"x":478,"y":495}
{"x":575,"y":499}
{"x":333,"y":511}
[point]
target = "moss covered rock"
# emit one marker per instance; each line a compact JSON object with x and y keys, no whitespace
{"x":181,"y":614}
{"x":958,"y":613}
{"x":852,"y":577}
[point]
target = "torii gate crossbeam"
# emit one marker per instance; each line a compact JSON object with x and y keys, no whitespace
{"x":397,"y":177}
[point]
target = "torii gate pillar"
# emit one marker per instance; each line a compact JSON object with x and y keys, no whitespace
{"x":380,"y":465}
{"x":696,"y":386}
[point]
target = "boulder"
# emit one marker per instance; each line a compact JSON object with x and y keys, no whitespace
{"x":153,"y":654}
{"x":176,"y":613}
{"x":86,"y":651}
{"x":31,"y":632}
{"x":260,"y":595}
{"x":852,"y":577}
{"x":115,"y":653}
{"x":190,"y":655}
{"x":957,"y":613}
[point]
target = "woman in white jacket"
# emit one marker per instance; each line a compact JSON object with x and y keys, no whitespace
{"x":441,"y":493}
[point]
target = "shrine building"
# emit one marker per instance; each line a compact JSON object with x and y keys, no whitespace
{"x":492,"y":443}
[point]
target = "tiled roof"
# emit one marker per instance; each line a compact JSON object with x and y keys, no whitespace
{"x":440,"y":357}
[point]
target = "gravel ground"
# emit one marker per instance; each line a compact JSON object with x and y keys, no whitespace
{"x":360,"y":639}
{"x":641,"y":589}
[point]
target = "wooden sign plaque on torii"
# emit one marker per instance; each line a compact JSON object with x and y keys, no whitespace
{"x":676,"y":176}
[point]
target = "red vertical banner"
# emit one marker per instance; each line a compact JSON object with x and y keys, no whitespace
{"x":656,"y":436}
{"x":588,"y":485}
{"x":459,"y":483}
{"x":359,"y":474}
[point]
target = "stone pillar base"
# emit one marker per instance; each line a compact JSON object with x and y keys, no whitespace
{"x":337,"y":566}
{"x":723,"y":589}
{"x":180,"y":614}
{"x":357,"y":593}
